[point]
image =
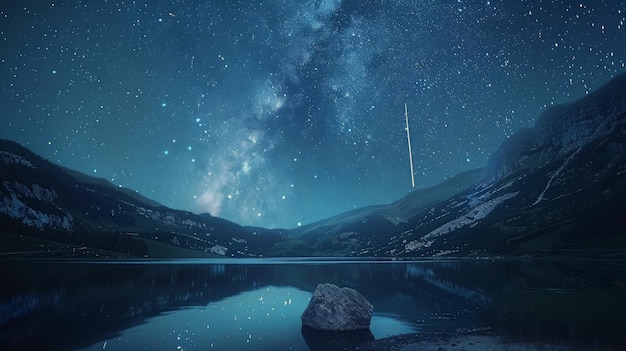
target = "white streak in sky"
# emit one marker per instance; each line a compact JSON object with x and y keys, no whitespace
{"x":408,"y":137}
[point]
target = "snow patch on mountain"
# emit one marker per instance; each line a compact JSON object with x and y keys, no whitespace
{"x":14,"y":204}
{"x":218,"y":249}
{"x":169,"y":218}
{"x":555,"y":175}
{"x":471,"y":218}
{"x":8,"y":158}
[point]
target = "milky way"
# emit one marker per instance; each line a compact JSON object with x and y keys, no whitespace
{"x":279,"y":113}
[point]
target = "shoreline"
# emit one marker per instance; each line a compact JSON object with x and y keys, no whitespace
{"x":462,"y":342}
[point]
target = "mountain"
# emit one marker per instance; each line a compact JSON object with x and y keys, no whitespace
{"x":555,"y":189}
{"x":350,"y":231}
{"x":48,"y":210}
{"x":563,"y":129}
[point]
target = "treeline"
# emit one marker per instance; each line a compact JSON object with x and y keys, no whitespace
{"x":104,"y":240}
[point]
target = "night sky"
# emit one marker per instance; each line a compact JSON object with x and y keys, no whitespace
{"x":282,"y":112}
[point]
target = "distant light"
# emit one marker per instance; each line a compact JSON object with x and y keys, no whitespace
{"x":189,"y":148}
{"x":54,"y":71}
{"x":299,"y":224}
{"x":468,"y":160}
{"x":166,"y":152}
{"x":258,"y":214}
{"x":197,"y":119}
{"x":284,"y":197}
{"x":95,"y":170}
{"x":163,"y":104}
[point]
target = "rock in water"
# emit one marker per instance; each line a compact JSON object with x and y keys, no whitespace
{"x":337,"y":309}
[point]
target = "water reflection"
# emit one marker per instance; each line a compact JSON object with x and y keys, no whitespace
{"x":319,"y":340}
{"x":261,"y":319}
{"x":231,"y":305}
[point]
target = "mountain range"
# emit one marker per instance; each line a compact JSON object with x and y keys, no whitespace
{"x":47,"y":210}
{"x":557,"y":189}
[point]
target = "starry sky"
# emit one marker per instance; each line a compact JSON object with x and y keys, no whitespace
{"x":278,"y":113}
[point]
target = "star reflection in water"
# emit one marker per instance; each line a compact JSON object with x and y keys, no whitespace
{"x":264,"y":319}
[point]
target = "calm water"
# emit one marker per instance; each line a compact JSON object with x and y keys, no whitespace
{"x":256,"y":305}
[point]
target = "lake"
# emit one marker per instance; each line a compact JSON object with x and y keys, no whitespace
{"x":230,"y":304}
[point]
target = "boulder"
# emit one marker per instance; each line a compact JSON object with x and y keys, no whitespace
{"x":337,"y":309}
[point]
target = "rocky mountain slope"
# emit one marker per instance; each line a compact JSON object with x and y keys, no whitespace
{"x":555,"y":189}
{"x":41,"y":200}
